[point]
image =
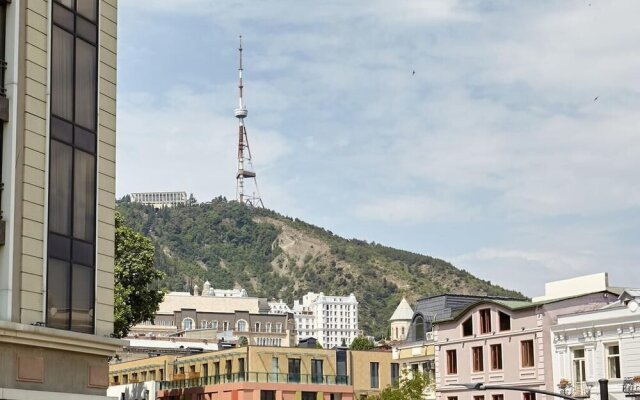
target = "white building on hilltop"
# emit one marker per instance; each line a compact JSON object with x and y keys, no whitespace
{"x":333,"y":320}
{"x":209,"y":291}
{"x":279,"y":307}
{"x":160,"y":199}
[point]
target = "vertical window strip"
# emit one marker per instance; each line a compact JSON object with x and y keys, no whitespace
{"x":72,"y":168}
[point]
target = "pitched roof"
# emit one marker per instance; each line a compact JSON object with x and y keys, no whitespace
{"x":403,"y":312}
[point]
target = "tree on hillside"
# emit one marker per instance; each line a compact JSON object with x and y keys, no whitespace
{"x":361,"y":343}
{"x":411,"y":387}
{"x":135,"y":298}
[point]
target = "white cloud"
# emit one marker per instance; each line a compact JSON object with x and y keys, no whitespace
{"x":497,"y":126}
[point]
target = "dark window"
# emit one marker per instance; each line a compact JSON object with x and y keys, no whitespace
{"x":72,"y":166}
{"x":505,"y":321}
{"x":241,"y":369}
{"x":485,"y":320}
{"x":316,"y":371}
{"x":309,"y":396}
{"x":467,"y":327}
{"x":395,"y":374}
{"x":419,"y":328}
{"x":496,"y":356}
{"x":374,"y":373}
{"x":205,"y":370}
{"x":294,"y":370}
{"x":216,"y":372}
{"x":497,"y":397}
{"x":341,"y":368}
{"x":529,"y":396}
{"x":267,"y":395}
{"x":478,"y":397}
{"x":161,"y":374}
{"x":526,"y":352}
{"x":228,"y":369}
{"x":452,"y":398}
{"x":478,"y":359}
{"x":452,"y":362}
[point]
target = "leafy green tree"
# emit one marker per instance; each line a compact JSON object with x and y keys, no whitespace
{"x":361,"y":343}
{"x":412,"y":387}
{"x":136,"y":299}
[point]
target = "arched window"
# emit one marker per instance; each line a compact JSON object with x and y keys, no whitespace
{"x":214,"y":324}
{"x":403,"y":331}
{"x":241,"y":326}
{"x":268,"y":326}
{"x":419,"y":326}
{"x":203,"y":324}
{"x":257,"y":327}
{"x":225,"y":326}
{"x":187,"y":324}
{"x":396,"y":333}
{"x":278,"y":327}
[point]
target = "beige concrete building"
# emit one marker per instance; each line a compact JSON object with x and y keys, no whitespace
{"x":58,"y":112}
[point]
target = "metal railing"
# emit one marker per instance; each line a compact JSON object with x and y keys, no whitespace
{"x":256,"y":377}
{"x":631,"y":386}
{"x":576,"y":389}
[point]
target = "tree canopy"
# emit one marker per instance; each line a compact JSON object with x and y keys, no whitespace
{"x":136,"y":298}
{"x":361,"y":343}
{"x":412,"y":386}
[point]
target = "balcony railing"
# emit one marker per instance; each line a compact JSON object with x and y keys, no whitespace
{"x":256,"y":377}
{"x":631,"y":386}
{"x":576,"y":389}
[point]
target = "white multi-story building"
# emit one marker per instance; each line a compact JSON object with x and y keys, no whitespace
{"x":604,"y":343}
{"x":209,"y":291}
{"x":333,"y":320}
{"x":160,"y":199}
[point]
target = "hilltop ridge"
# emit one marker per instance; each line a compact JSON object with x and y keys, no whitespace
{"x":274,"y":256}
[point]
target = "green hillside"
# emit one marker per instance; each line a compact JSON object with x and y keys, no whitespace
{"x":274,"y":256}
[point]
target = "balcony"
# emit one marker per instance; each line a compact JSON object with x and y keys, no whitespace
{"x":631,"y":386}
{"x":256,"y":377}
{"x":579,"y":390}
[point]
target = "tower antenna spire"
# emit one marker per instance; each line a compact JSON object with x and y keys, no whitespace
{"x":246,"y":172}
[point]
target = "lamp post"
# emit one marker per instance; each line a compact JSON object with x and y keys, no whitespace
{"x":482,"y":386}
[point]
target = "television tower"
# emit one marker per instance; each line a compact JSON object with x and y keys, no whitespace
{"x":245,"y":165}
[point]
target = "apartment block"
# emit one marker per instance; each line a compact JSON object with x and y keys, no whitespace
{"x":57,"y":108}
{"x":265,"y":373}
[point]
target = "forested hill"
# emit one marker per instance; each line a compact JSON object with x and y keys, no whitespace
{"x":274,"y":256}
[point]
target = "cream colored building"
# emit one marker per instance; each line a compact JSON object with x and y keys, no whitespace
{"x":58,"y":172}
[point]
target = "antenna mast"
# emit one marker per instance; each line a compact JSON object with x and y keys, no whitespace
{"x":245,"y":165}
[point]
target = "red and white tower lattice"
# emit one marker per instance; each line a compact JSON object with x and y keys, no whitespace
{"x":246,"y":173}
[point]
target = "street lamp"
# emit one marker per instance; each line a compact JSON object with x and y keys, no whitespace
{"x":482,"y":386}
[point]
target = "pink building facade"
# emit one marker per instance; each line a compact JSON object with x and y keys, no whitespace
{"x":502,"y":342}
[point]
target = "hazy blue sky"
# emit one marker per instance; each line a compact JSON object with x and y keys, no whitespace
{"x":493,"y":156}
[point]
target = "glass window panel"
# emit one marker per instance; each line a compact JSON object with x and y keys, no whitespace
{"x":85,"y":140}
{"x":59,"y":247}
{"x":88,"y":9}
{"x":82,"y":299}
{"x":58,"y":294}
{"x":68,"y":3}
{"x":84,"y":196}
{"x":60,"y":188}
{"x":62,"y":74}
{"x":86,"y":83}
{"x":63,"y":17}
{"x":87,"y":30}
{"x":83,"y":253}
{"x":61,"y":130}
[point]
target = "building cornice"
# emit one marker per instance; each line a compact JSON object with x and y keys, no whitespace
{"x":40,"y":336}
